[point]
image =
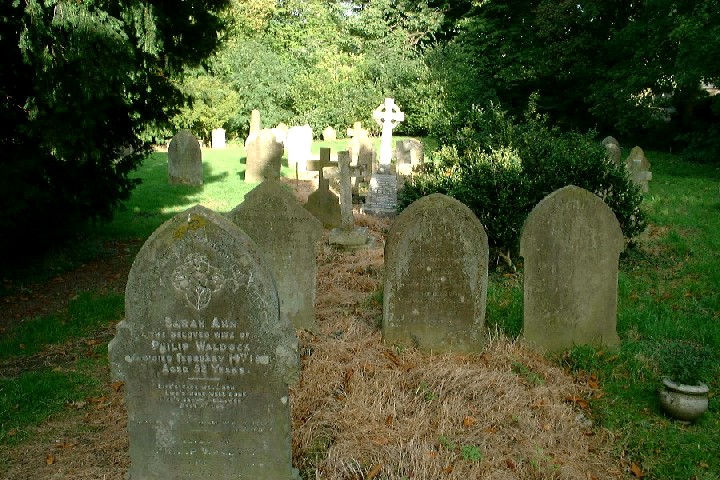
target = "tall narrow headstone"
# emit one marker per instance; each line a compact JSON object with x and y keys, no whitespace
{"x":323,"y":203}
{"x":205,"y":357}
{"x":638,"y":166}
{"x":358,"y":136}
{"x":255,"y":122}
{"x":264,"y":157}
{"x":218,"y":138}
{"x":388,"y":116}
{"x":286,"y":233}
{"x":436,"y":274}
{"x":185,"y":160}
{"x":571,"y":244}
{"x":299,"y":145}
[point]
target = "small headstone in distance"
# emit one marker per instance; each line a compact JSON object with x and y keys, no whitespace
{"x":185,"y":159}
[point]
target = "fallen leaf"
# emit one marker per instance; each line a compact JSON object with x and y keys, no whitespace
{"x":468,"y":421}
{"x":78,"y":405}
{"x":117,"y":385}
{"x":50,"y":459}
{"x":381,"y":441}
{"x":389,"y":421}
{"x":579,"y":401}
{"x":491,"y":429}
{"x":703,"y":465}
{"x":97,"y":399}
{"x":448,"y":470}
{"x":92,"y":342}
{"x":374,"y":471}
{"x":636,"y":471}
{"x":510,"y":464}
{"x":12,"y":432}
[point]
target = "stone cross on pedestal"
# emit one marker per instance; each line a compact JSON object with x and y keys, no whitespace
{"x":347,"y":235}
{"x":387,"y":115}
{"x":323,"y":203}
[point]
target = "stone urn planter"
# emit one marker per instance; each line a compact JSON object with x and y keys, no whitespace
{"x":684,"y":402}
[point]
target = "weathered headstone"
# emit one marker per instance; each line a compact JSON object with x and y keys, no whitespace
{"x":299,"y":145}
{"x":264,"y":157}
{"x":639,"y":167}
{"x":329,"y":134}
{"x":280,"y":132}
{"x":185,"y":160}
{"x":286,"y":233}
{"x":323,"y":203}
{"x":436,"y":274}
{"x":358,"y":137}
{"x":408,"y":154}
{"x":388,"y":116}
{"x":347,"y":235}
{"x":610,"y":140}
{"x":218,"y":138}
{"x":205,"y":357}
{"x":613,"y":153}
{"x":571,"y":243}
{"x":381,"y":197}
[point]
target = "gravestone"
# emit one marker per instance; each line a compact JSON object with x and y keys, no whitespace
{"x":286,"y":233}
{"x":388,"y":116}
{"x":264,"y":157}
{"x":638,"y":166}
{"x":381,"y":197}
{"x":255,"y":122}
{"x":205,"y":357}
{"x":408,"y":154}
{"x":346,"y":235}
{"x":571,"y":244}
{"x":323,"y":203}
{"x":185,"y":160}
{"x":299,"y":144}
{"x":609,"y":140}
{"x":613,"y":153}
{"x":358,"y":138}
{"x":280,"y":132}
{"x":329,"y":134}
{"x":255,"y":127}
{"x":436,"y":276}
{"x":218,"y":138}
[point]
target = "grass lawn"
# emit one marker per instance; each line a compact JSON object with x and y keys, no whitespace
{"x":669,"y":289}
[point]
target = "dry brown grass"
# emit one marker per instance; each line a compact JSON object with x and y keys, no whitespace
{"x":366,"y":410}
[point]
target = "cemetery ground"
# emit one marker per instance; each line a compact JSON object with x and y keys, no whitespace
{"x":364,"y":409}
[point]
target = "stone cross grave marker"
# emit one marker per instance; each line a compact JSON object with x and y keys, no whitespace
{"x":264,"y":157}
{"x":571,"y":243}
{"x":218,"y":138}
{"x":286,"y":233}
{"x":323,"y":203}
{"x":347,"y":235}
{"x":299,"y":145}
{"x":436,"y":277}
{"x":185,"y":159}
{"x":205,"y":357}
{"x":388,"y":116}
{"x":639,"y":167}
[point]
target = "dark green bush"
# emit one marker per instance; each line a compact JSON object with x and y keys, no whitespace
{"x":501,"y":169}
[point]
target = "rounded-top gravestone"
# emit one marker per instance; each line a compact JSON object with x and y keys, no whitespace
{"x":185,"y":159}
{"x":571,"y":244}
{"x":205,"y":356}
{"x":436,"y":273}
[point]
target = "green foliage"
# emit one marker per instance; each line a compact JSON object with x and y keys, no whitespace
{"x":686,"y":362}
{"x":501,"y":169}
{"x":81,"y":81}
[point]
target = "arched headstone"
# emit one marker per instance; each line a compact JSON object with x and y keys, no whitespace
{"x":185,"y":159}
{"x":286,"y":233}
{"x":205,"y":356}
{"x":264,"y":157}
{"x":571,"y":245}
{"x":436,"y":271}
